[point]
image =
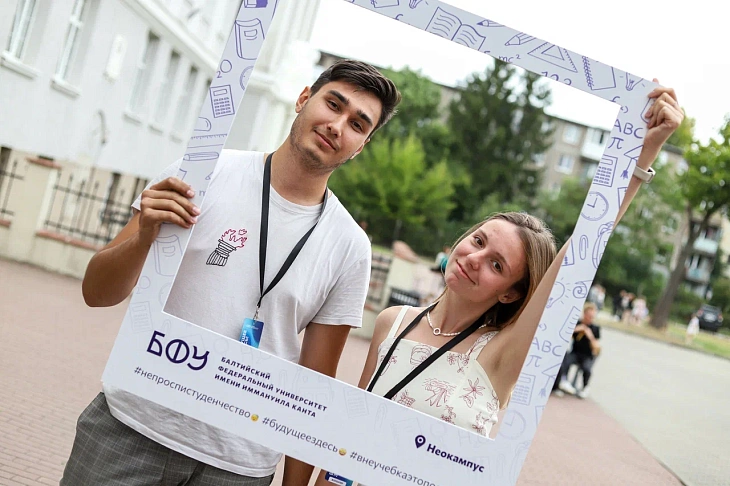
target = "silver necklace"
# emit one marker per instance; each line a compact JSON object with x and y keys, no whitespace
{"x":437,"y":330}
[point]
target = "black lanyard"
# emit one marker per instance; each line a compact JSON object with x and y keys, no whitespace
{"x":263,"y":236}
{"x":427,"y":362}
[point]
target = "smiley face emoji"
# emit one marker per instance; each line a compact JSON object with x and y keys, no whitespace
{"x":254,"y":417}
{"x":342,"y":452}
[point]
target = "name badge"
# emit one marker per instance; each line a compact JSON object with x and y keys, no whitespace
{"x":251,"y":332}
{"x":338,"y":480}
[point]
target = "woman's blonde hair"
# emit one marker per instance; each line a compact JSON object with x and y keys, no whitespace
{"x":540,"y":251}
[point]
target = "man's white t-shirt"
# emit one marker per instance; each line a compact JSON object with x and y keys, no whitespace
{"x":217,"y":287}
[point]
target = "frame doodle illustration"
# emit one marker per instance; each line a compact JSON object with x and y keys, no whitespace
{"x":300,"y":412}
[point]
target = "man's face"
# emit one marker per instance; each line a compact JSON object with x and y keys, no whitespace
{"x":333,"y":125}
{"x":588,"y":315}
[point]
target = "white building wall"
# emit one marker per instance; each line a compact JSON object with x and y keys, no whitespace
{"x":286,"y":65}
{"x":69,"y":120}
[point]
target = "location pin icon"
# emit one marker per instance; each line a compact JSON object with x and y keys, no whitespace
{"x":420,"y":440}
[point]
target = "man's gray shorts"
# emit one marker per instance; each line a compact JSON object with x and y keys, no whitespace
{"x":108,"y":453}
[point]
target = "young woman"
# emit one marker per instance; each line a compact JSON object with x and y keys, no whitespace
{"x":472,"y":342}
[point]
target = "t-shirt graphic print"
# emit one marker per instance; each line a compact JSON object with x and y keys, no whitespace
{"x":229,"y":242}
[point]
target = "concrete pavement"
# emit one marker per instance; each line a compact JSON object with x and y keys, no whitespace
{"x":53,"y":350}
{"x":675,"y":401}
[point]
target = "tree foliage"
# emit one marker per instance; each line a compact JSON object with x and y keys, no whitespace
{"x":721,"y":296}
{"x":388,"y":185}
{"x":497,"y":127}
{"x":631,"y":252}
{"x":704,"y":187}
{"x":418,"y":114}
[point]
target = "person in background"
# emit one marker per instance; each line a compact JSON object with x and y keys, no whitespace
{"x":442,"y":258}
{"x":639,"y":311}
{"x":617,"y":305}
{"x":584,"y":352}
{"x":693,"y":329}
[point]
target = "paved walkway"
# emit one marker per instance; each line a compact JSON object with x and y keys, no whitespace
{"x":53,"y":350}
{"x":675,"y":401}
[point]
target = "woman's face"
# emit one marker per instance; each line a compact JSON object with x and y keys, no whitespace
{"x":485,"y":266}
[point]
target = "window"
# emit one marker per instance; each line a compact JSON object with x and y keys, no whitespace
{"x":589,"y":170}
{"x":183,"y":104}
{"x":168,"y":83}
{"x":565,"y":164}
{"x":539,"y":159}
{"x":19,"y":34}
{"x":597,"y":136}
{"x":72,"y":38}
{"x":571,"y":134}
{"x":547,"y":125}
{"x":138,"y":102}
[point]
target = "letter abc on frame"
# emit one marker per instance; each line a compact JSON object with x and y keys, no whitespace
{"x":382,"y":430}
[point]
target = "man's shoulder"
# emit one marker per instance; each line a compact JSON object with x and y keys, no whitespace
{"x":232,"y":161}
{"x":348,"y":228}
{"x":233,"y":156}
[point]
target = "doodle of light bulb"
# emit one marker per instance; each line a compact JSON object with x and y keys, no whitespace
{"x":632,"y":81}
{"x":556,"y":293}
{"x":414,"y":3}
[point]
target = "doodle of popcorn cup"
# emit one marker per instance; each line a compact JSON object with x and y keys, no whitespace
{"x":229,"y":241}
{"x":249,"y":35}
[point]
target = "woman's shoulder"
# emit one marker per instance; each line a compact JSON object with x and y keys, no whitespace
{"x":387,"y":317}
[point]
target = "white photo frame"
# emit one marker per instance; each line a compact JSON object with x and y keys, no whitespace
{"x":174,"y":363}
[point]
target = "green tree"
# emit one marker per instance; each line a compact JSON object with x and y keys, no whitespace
{"x":638,"y":242}
{"x":560,"y":210}
{"x":634,"y":247}
{"x":389,"y":186}
{"x":705,"y":188}
{"x":497,"y":126}
{"x":721,"y":296}
{"x":418,"y":114}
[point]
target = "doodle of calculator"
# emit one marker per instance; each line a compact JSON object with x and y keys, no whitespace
{"x":605,"y":171}
{"x":522,"y":392}
{"x":221,"y":99}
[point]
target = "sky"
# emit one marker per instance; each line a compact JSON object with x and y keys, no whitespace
{"x":680,"y":44}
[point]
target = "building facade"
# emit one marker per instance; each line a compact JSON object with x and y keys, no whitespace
{"x":576,"y":152}
{"x":99,"y":96}
{"x":117,"y":84}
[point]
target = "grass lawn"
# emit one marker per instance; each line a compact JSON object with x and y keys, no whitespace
{"x":716,"y":344}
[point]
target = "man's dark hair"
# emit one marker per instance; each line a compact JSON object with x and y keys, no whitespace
{"x":366,"y":78}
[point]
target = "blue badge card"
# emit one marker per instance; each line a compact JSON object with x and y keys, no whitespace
{"x":338,"y":480}
{"x":251,"y":332}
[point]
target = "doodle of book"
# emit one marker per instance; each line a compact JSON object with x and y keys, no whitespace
{"x":449,"y":26}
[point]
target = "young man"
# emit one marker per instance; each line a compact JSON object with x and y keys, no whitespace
{"x":124,"y":440}
{"x":585,"y":349}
